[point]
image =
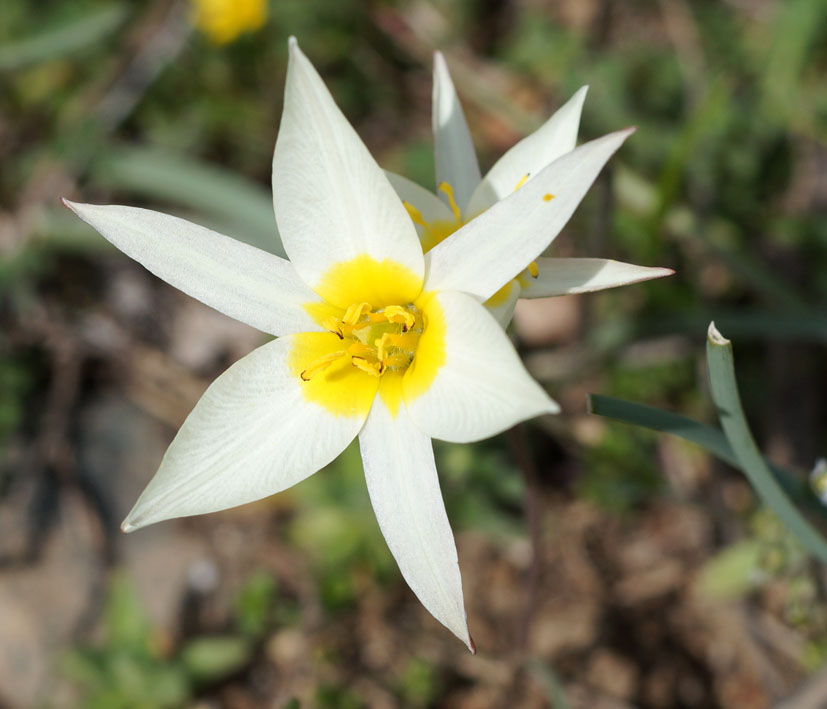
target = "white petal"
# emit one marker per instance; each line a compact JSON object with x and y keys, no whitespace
{"x":251,"y":435}
{"x":556,"y":137}
{"x":495,"y":246}
{"x":501,"y":306}
{"x":456,"y":160}
{"x":431,"y":207}
{"x":332,"y":201}
{"x":404,"y":490}
{"x":564,"y":276}
{"x":246,"y":283}
{"x":482,"y":387}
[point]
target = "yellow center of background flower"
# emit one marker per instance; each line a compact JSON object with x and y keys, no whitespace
{"x":436,"y":231}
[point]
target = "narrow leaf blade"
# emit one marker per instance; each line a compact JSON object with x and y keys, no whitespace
{"x":724,"y":388}
{"x":711,"y":439}
{"x":59,"y":41}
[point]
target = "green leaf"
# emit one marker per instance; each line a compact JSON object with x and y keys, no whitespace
{"x":127,"y":627}
{"x":724,"y":390}
{"x":797,"y":27}
{"x":61,"y":40}
{"x":732,"y":572}
{"x":210,"y":658}
{"x":711,"y":439}
{"x":239,"y":207}
{"x":254,"y":604}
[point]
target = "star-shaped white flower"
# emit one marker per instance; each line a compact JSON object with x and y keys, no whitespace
{"x":463,"y":195}
{"x":374,"y":339}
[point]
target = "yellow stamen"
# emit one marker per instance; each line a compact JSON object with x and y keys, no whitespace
{"x":376,"y":317}
{"x":405,"y":341}
{"x":321,"y":364}
{"x":534,"y":269}
{"x":357,"y":349}
{"x":415,"y":214}
{"x":354,"y":312}
{"x":375,"y":370}
{"x":332,"y":324}
{"x":401,"y":316}
{"x":547,"y":197}
{"x":381,"y":344}
{"x":375,"y":340}
{"x":522,"y":181}
{"x":449,"y":191}
{"x":340,"y":368}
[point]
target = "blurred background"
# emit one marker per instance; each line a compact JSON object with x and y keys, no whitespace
{"x":603,"y":565}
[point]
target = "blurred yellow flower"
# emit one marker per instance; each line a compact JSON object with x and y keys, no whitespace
{"x":224,"y":20}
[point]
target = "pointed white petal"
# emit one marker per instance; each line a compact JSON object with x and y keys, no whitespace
{"x":241,"y":281}
{"x":404,"y":490}
{"x":456,"y":160}
{"x":482,"y":387}
{"x":556,"y":137}
{"x":495,"y":246}
{"x":565,"y":276}
{"x":252,"y":434}
{"x":332,"y":201}
{"x":431,"y":207}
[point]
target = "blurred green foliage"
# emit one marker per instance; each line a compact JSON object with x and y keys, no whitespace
{"x":254,"y":604}
{"x":127,"y":669}
{"x":135,"y":667}
{"x":419,"y":684}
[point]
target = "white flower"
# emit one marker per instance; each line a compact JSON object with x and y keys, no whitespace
{"x":375,"y":339}
{"x":463,"y":195}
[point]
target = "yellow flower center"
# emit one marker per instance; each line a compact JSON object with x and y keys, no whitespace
{"x":375,"y":342}
{"x":382,"y":335}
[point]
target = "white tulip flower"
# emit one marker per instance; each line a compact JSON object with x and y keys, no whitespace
{"x":464,"y":195}
{"x":374,"y":338}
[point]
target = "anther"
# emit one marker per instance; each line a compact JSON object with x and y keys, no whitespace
{"x":354,"y":312}
{"x":375,"y":370}
{"x":321,"y":364}
{"x":333,"y":325}
{"x":399,"y":315}
{"x":534,"y":269}
{"x":522,"y":181}
{"x":374,"y":340}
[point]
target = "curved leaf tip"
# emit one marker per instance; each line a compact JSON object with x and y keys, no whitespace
{"x":715,"y":337}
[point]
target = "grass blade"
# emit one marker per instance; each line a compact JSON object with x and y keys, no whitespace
{"x":724,"y":390}
{"x":244,"y":206}
{"x":711,"y":439}
{"x":61,"y":40}
{"x":707,"y":437}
